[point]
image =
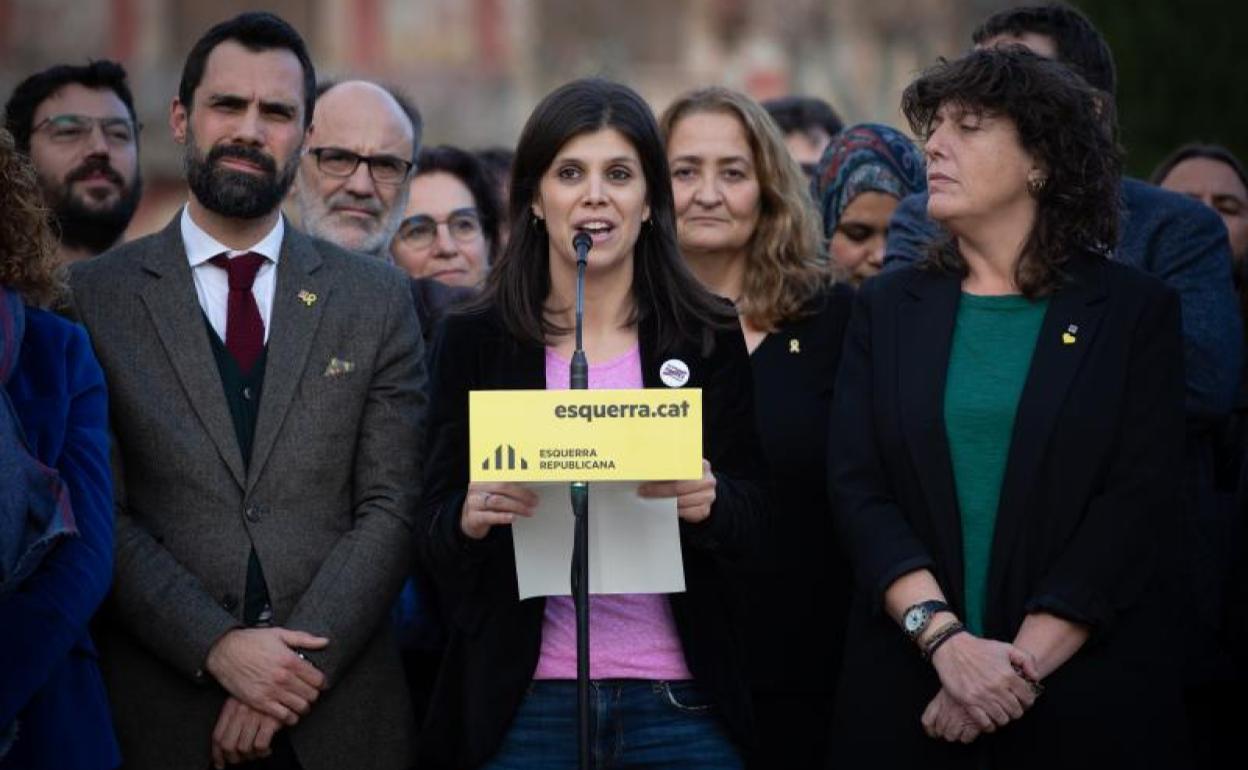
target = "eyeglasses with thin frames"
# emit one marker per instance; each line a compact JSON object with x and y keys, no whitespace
{"x":73,"y":129}
{"x":384,"y":169}
{"x":421,"y":231}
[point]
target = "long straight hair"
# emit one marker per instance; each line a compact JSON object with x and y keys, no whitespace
{"x":665,"y":293}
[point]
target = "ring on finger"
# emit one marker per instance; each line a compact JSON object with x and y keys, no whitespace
{"x":485,"y":501}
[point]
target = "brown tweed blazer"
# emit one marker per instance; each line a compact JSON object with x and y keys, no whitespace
{"x":327,"y":502}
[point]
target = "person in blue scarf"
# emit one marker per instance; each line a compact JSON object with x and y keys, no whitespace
{"x":56,"y":522}
{"x":864,"y":173}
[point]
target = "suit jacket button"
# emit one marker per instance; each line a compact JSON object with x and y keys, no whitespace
{"x":252,"y":513}
{"x":229,"y":602}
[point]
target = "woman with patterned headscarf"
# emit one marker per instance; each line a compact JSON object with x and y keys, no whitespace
{"x":864,"y":173}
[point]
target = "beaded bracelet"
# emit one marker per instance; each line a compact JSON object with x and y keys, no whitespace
{"x":945,"y":633}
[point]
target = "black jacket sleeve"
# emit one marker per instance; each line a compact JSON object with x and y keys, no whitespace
{"x":732,"y":446}
{"x":875,"y":530}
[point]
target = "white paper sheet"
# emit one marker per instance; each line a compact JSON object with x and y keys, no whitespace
{"x":634,"y":542}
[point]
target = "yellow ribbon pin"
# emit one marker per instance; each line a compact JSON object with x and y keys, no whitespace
{"x":795,"y":346}
{"x":306,"y":297}
{"x":1068,"y":336}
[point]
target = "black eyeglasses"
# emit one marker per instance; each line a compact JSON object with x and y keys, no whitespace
{"x":420,"y":231}
{"x":384,"y":169}
{"x":72,"y":129}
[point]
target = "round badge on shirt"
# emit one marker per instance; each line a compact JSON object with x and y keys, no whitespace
{"x":674,"y":373}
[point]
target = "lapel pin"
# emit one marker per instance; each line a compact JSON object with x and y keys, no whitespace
{"x":674,"y":373}
{"x":795,"y":345}
{"x":307,"y":297}
{"x":1068,"y":336}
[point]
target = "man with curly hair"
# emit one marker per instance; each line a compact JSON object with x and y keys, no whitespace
{"x":77,"y":123}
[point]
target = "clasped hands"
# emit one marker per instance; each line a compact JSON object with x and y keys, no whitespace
{"x":270,"y":685}
{"x":490,"y":504}
{"x":985,"y":684}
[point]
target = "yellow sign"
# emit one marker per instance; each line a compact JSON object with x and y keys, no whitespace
{"x":585,"y":435}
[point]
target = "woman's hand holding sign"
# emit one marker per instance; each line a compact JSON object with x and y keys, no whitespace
{"x":693,"y":498}
{"x":489,"y":504}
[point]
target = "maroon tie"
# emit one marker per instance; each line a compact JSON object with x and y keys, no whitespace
{"x":244,"y":329}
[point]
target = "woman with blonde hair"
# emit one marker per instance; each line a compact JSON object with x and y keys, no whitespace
{"x":749,"y":232}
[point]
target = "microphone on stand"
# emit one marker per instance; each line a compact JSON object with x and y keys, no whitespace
{"x":582,"y":243}
{"x":579,"y":380}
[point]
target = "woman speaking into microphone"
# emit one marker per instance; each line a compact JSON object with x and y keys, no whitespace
{"x":668,"y":687}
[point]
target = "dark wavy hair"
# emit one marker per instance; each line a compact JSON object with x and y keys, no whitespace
{"x":1063,"y":124}
{"x":664,"y":291}
{"x":473,"y":174}
{"x":1079,"y":44}
{"x":28,"y":263}
{"x":19,"y":112}
{"x":255,"y":31}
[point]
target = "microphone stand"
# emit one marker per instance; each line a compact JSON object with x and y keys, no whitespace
{"x":579,"y":380}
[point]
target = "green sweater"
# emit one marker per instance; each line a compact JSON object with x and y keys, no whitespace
{"x":993,"y":339}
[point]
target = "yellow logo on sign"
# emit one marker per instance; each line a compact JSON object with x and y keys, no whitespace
{"x":585,"y":435}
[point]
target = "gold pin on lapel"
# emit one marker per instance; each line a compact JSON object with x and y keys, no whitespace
{"x":307,"y":297}
{"x":795,"y":345}
{"x":1068,"y":336}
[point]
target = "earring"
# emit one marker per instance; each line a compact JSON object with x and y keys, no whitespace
{"x":538,"y":222}
{"x":1035,"y":183}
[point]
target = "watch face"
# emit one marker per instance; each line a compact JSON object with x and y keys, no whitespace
{"x":915,"y":619}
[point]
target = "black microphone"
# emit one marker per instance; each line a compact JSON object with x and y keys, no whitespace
{"x":582,"y":243}
{"x":579,"y":373}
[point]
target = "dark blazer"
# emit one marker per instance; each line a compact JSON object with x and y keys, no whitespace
{"x":326,"y":501}
{"x":798,"y":563}
{"x":1089,"y":495}
{"x":1165,"y":234}
{"x":49,"y":679}
{"x":495,"y":639}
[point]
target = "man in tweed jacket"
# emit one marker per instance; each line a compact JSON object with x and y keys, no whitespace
{"x":267,"y":430}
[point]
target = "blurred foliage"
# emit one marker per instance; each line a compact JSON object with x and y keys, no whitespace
{"x":1182,"y":74}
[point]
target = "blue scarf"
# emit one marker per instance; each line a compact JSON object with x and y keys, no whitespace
{"x":35,"y":512}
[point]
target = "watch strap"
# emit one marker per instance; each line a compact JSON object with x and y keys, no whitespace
{"x":929,"y":609}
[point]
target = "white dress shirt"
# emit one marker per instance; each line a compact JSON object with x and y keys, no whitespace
{"x":212,"y":284}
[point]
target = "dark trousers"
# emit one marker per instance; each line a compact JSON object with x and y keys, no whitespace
{"x":792,"y":730}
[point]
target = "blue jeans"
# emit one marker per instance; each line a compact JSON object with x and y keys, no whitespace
{"x":634,"y":724}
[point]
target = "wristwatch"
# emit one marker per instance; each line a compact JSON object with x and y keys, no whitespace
{"x":918,"y":616}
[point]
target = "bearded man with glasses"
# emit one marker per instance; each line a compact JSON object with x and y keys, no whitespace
{"x":78,"y":125}
{"x":352,"y":182}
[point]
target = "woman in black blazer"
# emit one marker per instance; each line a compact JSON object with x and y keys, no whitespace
{"x":748,"y":231}
{"x":1016,"y":408}
{"x":589,"y":158}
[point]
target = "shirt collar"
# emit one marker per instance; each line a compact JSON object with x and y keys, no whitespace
{"x":201,"y":247}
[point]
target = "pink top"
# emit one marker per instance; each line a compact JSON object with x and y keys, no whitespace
{"x":631,"y":636}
